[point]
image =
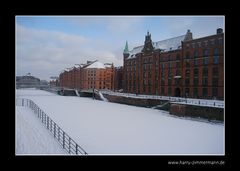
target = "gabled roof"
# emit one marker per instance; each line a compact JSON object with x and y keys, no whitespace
{"x":96,"y":65}
{"x":163,"y":45}
{"x":169,"y":44}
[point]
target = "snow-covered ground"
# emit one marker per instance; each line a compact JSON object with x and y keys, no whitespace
{"x":32,"y":137}
{"x":110,"y":128}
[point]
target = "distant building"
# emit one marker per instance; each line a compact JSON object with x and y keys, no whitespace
{"x":179,"y":66}
{"x":54,"y":82}
{"x":92,"y":75}
{"x":27,"y":81}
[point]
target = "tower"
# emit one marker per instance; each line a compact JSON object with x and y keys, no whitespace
{"x":148,"y":46}
{"x":126,"y":51}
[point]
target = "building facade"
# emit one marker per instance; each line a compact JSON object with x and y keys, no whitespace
{"x":92,"y":75}
{"x":118,"y":79}
{"x":180,"y":66}
{"x":27,"y":81}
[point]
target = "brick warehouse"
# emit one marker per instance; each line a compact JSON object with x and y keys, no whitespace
{"x":180,"y":66}
{"x":91,"y":75}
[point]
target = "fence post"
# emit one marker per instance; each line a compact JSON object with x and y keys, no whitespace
{"x":51,"y":125}
{"x":69,"y":141}
{"x":54,"y":133}
{"x":47,"y":122}
{"x":42,"y":117}
{"x":22,"y":102}
{"x":63,"y":139}
{"x":58,"y":133}
{"x":76,"y":148}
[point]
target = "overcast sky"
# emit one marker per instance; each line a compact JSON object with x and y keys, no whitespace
{"x":46,"y":45}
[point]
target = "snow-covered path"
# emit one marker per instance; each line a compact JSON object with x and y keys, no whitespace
{"x":31,"y":135}
{"x":110,"y":128}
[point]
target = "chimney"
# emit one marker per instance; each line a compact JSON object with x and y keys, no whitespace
{"x":219,"y":30}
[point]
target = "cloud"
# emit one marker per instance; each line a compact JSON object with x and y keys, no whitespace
{"x":45,"y":53}
{"x":124,"y":24}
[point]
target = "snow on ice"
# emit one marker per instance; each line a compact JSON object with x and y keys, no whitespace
{"x":109,"y":128}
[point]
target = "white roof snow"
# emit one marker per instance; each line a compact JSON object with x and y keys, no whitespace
{"x":164,"y":45}
{"x":96,"y":65}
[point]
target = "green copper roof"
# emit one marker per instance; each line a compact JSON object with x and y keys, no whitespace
{"x":126,"y":48}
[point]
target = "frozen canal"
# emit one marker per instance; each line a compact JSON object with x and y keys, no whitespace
{"x":110,"y":128}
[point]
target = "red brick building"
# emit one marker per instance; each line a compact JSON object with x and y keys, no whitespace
{"x":91,"y":75}
{"x":180,"y":66}
{"x":118,"y":79}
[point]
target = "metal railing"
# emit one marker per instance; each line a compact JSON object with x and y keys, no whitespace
{"x":201,"y":102}
{"x":63,"y":138}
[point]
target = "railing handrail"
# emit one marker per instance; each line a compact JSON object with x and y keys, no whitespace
{"x":62,"y":137}
{"x":205,"y":102}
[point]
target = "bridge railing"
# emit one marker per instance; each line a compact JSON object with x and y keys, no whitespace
{"x":63,"y":138}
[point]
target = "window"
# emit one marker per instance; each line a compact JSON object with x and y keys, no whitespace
{"x":187,"y":55}
{"x":187,"y":72}
{"x":178,"y":56}
{"x":177,"y":81}
{"x":212,"y":41}
{"x":215,"y":72}
{"x":187,"y":64}
{"x":178,"y":72}
{"x":169,"y":73}
{"x":144,"y":67}
{"x":169,"y":82}
{"x":205,"y":61}
{"x":149,"y":82}
{"x":214,"y":91}
{"x":145,"y":82}
{"x":195,"y":62}
{"x":220,"y":41}
{"x":169,"y":91}
{"x":205,"y":92}
{"x":149,"y":75}
{"x":195,"y":81}
{"x":215,"y":59}
{"x":205,"y":72}
{"x":195,"y":72}
{"x":215,"y":53}
{"x":195,"y":92}
{"x":205,"y":53}
{"x":162,"y":90}
{"x":178,"y":64}
{"x":144,"y":74}
{"x":187,"y":81}
{"x":150,"y":66}
{"x":215,"y":82}
{"x":162,"y":81}
{"x":186,"y":92}
{"x":205,"y":81}
{"x":170,"y":65}
{"x":163,"y":66}
{"x":195,"y":54}
{"x":149,"y":89}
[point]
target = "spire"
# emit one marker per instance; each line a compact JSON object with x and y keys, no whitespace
{"x":126,"y":48}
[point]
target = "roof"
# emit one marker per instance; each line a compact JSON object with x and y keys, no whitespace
{"x":164,"y":45}
{"x":96,"y":65}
